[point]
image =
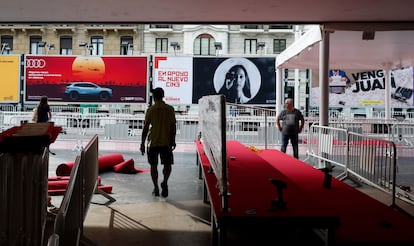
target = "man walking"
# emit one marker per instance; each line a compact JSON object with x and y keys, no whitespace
{"x":292,"y":124}
{"x":161,"y":139}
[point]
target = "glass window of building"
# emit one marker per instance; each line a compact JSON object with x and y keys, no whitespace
{"x":6,"y":44}
{"x":251,"y":26}
{"x":34,"y":45}
{"x":161,"y":45}
{"x":127,"y":45}
{"x":161,"y":26}
{"x":279,"y":45}
{"x":97,"y":45}
{"x":250,"y":46}
{"x":66,"y":45}
{"x":204,"y":45}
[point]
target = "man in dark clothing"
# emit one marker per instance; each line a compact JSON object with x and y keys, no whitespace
{"x":161,"y":139}
{"x":292,"y":124}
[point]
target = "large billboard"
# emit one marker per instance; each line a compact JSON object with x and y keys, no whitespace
{"x":9,"y":79}
{"x":175,"y":75}
{"x":357,"y":88}
{"x":74,"y":79}
{"x":241,"y":80}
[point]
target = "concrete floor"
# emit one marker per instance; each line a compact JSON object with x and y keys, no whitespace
{"x":138,"y":218}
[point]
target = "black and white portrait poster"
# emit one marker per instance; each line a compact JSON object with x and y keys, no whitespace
{"x":241,"y":80}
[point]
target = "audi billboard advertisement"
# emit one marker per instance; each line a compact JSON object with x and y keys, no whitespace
{"x":75,"y":79}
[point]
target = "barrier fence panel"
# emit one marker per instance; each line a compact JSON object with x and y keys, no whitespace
{"x":8,"y":107}
{"x":187,"y":129}
{"x":402,"y":134}
{"x":255,"y":126}
{"x":23,"y":192}
{"x":252,"y":125}
{"x":327,"y":145}
{"x":374,"y":161}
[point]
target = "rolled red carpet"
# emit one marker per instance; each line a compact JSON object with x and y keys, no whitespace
{"x":105,"y":162}
{"x":127,"y":167}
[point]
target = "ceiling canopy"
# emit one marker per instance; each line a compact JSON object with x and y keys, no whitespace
{"x":213,"y":11}
{"x":386,"y":46}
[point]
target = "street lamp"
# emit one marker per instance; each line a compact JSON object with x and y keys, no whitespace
{"x":87,"y":47}
{"x":218,"y":47}
{"x":176,"y":46}
{"x":260,"y":46}
{"x":40,"y":46}
{"x":49,"y":47}
{"x":4,"y":47}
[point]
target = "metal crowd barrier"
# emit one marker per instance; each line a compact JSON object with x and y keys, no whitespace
{"x":327,"y":145}
{"x":23,"y":192}
{"x":371,"y":160}
{"x":403,"y":134}
{"x":255,"y":126}
{"x":249,"y":125}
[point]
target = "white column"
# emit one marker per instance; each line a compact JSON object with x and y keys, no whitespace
{"x":279,"y":90}
{"x":387,"y":91}
{"x":297,"y":89}
{"x":323,"y":79}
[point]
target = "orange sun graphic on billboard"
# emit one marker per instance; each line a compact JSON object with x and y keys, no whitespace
{"x":88,"y":68}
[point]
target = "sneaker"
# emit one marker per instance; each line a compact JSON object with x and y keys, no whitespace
{"x":164,"y":191}
{"x":156,"y":192}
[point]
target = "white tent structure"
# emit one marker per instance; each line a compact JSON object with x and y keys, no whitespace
{"x":348,"y":46}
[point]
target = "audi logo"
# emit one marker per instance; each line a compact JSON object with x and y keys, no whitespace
{"x":35,"y":63}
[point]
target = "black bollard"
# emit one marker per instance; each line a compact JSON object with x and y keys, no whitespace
{"x":278,"y":203}
{"x":327,"y":179}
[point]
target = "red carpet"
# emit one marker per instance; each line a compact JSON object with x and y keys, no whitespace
{"x":114,"y":162}
{"x":128,"y":167}
{"x":57,"y":185}
{"x":362,"y":219}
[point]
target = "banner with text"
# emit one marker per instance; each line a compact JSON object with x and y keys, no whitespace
{"x":365,"y":88}
{"x":175,"y":75}
{"x":10,"y":79}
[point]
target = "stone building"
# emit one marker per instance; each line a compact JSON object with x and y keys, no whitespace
{"x":155,"y":39}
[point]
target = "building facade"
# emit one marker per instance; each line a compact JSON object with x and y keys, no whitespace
{"x":156,"y":39}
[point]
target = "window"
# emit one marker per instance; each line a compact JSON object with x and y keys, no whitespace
{"x":280,"y":26}
{"x":97,"y":45}
{"x":250,"y":46}
{"x":161,"y":26}
{"x":34,"y":47}
{"x":6,"y":44}
{"x":251,"y":26}
{"x":279,"y":45}
{"x":65,"y":45}
{"x":204,"y":45}
{"x":161,"y":45}
{"x":127,"y":45}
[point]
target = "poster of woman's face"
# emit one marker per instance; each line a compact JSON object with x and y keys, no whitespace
{"x":241,"y":80}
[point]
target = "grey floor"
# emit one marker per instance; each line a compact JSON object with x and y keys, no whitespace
{"x":138,"y":218}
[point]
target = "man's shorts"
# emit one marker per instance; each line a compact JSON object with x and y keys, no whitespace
{"x":165,"y":154}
